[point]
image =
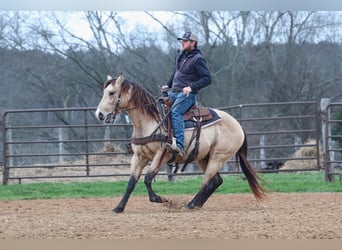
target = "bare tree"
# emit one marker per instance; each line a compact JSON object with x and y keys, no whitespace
{"x":254,"y":56}
{"x":111,"y":50}
{"x":289,"y":55}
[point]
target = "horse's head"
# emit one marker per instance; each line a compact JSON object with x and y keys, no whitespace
{"x":112,"y":101}
{"x":122,"y":95}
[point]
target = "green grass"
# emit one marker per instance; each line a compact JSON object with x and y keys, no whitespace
{"x":284,"y":182}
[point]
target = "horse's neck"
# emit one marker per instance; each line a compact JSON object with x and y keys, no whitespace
{"x":143,"y":125}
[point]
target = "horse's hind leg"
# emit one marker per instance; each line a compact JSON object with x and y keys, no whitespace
{"x":213,"y":184}
{"x":207,"y":189}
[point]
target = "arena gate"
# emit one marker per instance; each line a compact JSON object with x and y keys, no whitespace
{"x":332,"y":138}
{"x":43,"y":144}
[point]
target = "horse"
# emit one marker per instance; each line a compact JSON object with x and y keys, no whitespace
{"x":219,"y":142}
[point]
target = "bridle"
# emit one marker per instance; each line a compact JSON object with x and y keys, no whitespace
{"x":110,"y":118}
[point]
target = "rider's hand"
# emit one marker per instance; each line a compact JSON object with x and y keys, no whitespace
{"x":164,"y":88}
{"x":187,"y":91}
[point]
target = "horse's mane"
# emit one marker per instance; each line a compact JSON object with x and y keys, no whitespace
{"x":141,"y":98}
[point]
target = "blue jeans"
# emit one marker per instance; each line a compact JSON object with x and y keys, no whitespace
{"x":181,"y":104}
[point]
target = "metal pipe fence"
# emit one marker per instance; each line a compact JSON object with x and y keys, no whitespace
{"x":332,"y":134}
{"x":276,"y":131}
{"x":45,"y":144}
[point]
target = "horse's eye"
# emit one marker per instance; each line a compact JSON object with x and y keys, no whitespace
{"x":111,"y":93}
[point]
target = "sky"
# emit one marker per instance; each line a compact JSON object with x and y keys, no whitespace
{"x":133,"y":18}
{"x":116,"y":5}
{"x":133,"y":9}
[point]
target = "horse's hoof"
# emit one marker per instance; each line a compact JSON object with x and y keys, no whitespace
{"x":118,"y":210}
{"x":192,"y":206}
{"x":158,"y":199}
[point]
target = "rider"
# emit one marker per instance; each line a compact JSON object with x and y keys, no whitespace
{"x":190,"y":75}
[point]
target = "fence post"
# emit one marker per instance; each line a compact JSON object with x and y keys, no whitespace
{"x":262,"y":152}
{"x":297,"y":141}
{"x":61,"y":149}
{"x":326,"y":132}
{"x":86,"y":142}
{"x":8,"y":161}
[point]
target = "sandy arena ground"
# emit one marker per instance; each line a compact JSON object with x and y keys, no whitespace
{"x":237,"y":216}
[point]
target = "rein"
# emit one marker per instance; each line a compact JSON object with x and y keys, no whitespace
{"x":117,"y":111}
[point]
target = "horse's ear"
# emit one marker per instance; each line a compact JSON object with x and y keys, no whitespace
{"x":109,"y":78}
{"x":120,"y":79}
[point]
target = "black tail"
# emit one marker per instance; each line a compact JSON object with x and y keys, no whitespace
{"x":251,"y":176}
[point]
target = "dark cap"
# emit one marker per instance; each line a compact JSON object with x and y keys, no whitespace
{"x":189,"y":36}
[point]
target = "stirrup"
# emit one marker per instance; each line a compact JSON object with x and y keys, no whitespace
{"x":174,"y":149}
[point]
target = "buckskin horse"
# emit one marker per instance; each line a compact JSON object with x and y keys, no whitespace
{"x":218,"y":142}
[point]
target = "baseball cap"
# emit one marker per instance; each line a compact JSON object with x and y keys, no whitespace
{"x":189,"y":36}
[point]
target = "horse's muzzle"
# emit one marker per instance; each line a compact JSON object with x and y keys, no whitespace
{"x":99,"y":115}
{"x":109,"y":118}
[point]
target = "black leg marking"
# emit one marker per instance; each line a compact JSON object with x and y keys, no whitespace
{"x":148,"y":183}
{"x":205,"y":192}
{"x":129,"y":189}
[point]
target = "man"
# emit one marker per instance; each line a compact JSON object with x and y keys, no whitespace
{"x":190,"y":75}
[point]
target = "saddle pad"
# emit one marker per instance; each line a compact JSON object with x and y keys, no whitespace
{"x":215,"y":117}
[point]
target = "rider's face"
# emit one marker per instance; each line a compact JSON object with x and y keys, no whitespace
{"x":187,"y":45}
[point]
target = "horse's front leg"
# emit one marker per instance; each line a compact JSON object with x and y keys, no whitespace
{"x":159,"y":160}
{"x":137,"y":165}
{"x":129,"y":189}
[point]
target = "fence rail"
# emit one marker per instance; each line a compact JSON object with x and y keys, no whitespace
{"x":70,"y":143}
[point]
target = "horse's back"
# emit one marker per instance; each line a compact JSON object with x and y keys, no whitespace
{"x":224,"y":137}
{"x":229,"y":129}
{"x":229,"y":123}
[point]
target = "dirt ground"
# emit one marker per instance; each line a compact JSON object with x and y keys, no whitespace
{"x":236,"y":216}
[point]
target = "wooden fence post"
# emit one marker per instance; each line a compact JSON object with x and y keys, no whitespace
{"x":326,"y":132}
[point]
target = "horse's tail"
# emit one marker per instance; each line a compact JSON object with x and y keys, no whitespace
{"x":251,"y":176}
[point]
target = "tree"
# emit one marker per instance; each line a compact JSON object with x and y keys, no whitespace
{"x":254,"y":56}
{"x":288,"y":54}
{"x":111,"y":51}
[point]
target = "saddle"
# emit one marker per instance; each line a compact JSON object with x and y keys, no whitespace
{"x":194,"y":118}
{"x":197,"y":112}
{"x":193,"y":114}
